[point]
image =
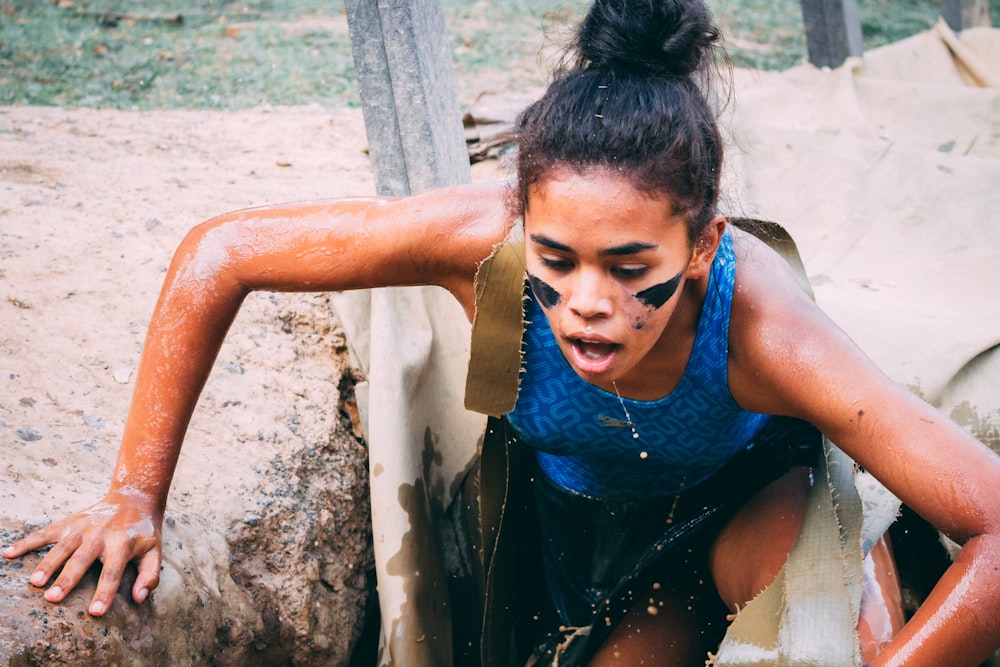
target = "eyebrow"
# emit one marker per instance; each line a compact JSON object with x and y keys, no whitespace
{"x":627,"y":249}
{"x":633,"y":248}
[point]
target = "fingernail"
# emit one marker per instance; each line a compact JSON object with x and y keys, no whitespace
{"x":9,"y":551}
{"x":141,"y":595}
{"x":54,"y":592}
{"x":96,"y":608}
{"x":38,"y":578}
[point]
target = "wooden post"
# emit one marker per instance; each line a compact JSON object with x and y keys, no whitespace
{"x":833,"y":31}
{"x":962,"y":14}
{"x":403,"y":60}
{"x":415,"y":346}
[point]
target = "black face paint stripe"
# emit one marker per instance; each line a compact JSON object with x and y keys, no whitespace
{"x":544,"y":292}
{"x":657,"y":295}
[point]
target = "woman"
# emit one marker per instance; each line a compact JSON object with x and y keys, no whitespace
{"x":695,"y":364}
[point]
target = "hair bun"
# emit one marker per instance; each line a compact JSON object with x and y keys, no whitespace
{"x":669,"y":37}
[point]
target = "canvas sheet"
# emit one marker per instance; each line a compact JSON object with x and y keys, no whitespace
{"x":886,"y":171}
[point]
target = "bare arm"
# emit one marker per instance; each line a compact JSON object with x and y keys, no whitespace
{"x":803,"y":365}
{"x":433,"y":239}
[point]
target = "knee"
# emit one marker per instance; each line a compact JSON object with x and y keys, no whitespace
{"x":752,"y":548}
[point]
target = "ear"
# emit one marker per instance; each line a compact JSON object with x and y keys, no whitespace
{"x":705,"y":246}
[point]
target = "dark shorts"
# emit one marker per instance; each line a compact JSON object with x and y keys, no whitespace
{"x":599,"y":556}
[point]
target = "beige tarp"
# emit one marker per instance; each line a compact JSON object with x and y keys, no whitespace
{"x":887,"y":173}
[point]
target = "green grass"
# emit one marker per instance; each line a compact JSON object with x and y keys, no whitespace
{"x":294,"y":52}
{"x":221,"y":56}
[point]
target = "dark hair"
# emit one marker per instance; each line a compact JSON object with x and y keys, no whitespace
{"x":628,"y":98}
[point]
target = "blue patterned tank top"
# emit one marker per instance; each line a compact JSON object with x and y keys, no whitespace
{"x":582,"y":437}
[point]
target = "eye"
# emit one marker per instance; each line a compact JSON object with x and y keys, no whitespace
{"x":630,"y":271}
{"x":555,"y":263}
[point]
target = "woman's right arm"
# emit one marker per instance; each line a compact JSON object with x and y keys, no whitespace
{"x":437,"y":238}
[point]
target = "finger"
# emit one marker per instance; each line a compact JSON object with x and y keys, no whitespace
{"x":72,"y":572}
{"x":54,"y":559}
{"x":149,"y":574}
{"x":111,"y":577}
{"x":35,"y":540}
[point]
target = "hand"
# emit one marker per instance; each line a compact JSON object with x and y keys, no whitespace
{"x":117,"y":530}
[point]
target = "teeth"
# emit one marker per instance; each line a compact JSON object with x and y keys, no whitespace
{"x":594,"y":350}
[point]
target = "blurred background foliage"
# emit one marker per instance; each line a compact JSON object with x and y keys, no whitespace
{"x":228,"y":55}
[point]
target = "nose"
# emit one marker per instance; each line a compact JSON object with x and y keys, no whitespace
{"x":590,"y":296}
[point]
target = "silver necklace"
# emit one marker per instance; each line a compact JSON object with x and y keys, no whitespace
{"x":628,"y":417}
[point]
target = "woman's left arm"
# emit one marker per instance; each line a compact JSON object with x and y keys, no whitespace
{"x":791,"y":359}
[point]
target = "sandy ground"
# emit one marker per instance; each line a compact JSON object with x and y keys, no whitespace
{"x":268,"y":508}
{"x":92,"y":204}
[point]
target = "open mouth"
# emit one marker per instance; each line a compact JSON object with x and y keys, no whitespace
{"x":593,"y":356}
{"x":593,"y":350}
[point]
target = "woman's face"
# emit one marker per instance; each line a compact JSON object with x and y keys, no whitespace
{"x":607,"y":263}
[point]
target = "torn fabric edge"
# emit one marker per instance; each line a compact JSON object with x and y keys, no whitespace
{"x":808,"y":615}
{"x":497,"y":329}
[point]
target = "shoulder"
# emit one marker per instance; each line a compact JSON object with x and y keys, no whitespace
{"x":787,"y":356}
{"x":455,"y":226}
{"x":766,"y":289}
{"x":481,"y":225}
{"x":446,"y":233}
{"x":782,"y":345}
